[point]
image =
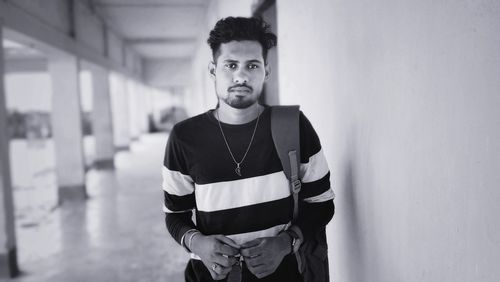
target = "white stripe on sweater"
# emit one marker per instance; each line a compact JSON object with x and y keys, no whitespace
{"x":326,"y":196}
{"x":176,"y":183}
{"x":240,"y":193}
{"x":315,"y":168}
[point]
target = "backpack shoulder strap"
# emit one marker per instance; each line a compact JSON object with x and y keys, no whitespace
{"x":286,"y":138}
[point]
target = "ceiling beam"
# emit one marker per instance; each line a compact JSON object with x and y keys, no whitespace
{"x":148,"y":5}
{"x":160,"y":40}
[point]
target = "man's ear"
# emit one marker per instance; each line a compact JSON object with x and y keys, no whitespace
{"x":211,"y":69}
{"x":267,"y":68}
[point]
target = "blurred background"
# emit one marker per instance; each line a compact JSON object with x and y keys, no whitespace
{"x":405,"y":96}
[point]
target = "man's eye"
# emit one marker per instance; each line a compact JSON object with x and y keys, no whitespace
{"x":252,"y":66}
{"x":231,"y":66}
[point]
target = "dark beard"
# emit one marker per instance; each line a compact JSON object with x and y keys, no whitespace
{"x":238,"y":103}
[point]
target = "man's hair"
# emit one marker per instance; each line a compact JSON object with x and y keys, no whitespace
{"x":238,"y":29}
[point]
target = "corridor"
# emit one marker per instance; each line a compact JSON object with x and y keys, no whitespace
{"x":403,"y":95}
{"x":118,"y":234}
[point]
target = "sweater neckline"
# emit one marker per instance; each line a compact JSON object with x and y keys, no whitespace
{"x":211,"y":117}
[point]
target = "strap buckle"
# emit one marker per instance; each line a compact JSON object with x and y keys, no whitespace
{"x":296,"y":185}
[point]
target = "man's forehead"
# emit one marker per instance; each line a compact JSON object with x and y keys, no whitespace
{"x":245,"y":50}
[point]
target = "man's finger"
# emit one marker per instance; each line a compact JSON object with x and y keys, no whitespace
{"x":250,"y":244}
{"x":250,"y":268}
{"x":225,"y":261}
{"x":227,"y":241}
{"x":254,"y":262}
{"x":219,"y":274}
{"x":259,"y":270}
{"x":251,"y":252}
{"x":214,"y":274}
{"x":227,"y":250}
{"x":217,"y":268}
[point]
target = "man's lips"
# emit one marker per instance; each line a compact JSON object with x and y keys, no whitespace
{"x":240,"y":89}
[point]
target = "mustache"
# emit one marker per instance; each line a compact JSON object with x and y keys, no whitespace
{"x":240,"y":86}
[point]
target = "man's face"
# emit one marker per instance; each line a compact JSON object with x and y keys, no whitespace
{"x":239,"y":73}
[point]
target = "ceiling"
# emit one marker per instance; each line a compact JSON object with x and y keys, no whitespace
{"x":164,"y":33}
{"x":166,"y":29}
{"x":14,"y":50}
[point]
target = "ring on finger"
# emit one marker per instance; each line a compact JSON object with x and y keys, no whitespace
{"x":215,"y":266}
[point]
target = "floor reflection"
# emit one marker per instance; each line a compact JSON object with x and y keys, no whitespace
{"x":118,"y":234}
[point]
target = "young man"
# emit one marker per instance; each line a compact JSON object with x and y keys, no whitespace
{"x":223,"y":165}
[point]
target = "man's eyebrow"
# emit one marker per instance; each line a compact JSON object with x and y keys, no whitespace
{"x":254,"y":61}
{"x":236,"y":61}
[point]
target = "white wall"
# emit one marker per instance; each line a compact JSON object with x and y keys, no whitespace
{"x":271,"y":86}
{"x":405,"y":97}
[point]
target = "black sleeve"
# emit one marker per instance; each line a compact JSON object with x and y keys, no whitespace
{"x":313,"y":217}
{"x":316,"y":207}
{"x":178,"y":189}
{"x":178,"y":224}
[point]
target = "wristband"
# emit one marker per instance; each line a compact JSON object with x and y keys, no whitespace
{"x":184,"y":239}
{"x":190,"y":240}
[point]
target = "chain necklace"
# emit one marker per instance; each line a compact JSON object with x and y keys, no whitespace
{"x":238,"y":164}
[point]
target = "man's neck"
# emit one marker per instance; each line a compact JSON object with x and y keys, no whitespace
{"x":228,"y":114}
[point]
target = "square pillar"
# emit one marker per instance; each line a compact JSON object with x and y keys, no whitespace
{"x":133,"y":109}
{"x":144,"y":102}
{"x":102,"y":124}
{"x":8,"y":254}
{"x":120,"y":112}
{"x":67,"y":127}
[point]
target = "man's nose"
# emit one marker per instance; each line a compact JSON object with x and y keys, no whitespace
{"x":240,"y":76}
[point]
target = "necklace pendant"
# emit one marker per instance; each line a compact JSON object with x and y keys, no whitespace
{"x":238,"y":170}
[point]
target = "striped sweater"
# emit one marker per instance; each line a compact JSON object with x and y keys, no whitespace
{"x":199,"y":175}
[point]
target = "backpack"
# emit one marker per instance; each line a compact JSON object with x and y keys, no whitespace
{"x":312,"y":256}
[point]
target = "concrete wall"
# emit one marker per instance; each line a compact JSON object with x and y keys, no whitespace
{"x":405,"y":98}
{"x":271,"y":86}
{"x":164,"y":73}
{"x":89,"y":29}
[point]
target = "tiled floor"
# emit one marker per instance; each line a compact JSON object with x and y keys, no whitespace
{"x":118,"y":234}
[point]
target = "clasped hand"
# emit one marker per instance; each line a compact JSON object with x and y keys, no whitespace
{"x":262,"y":255}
